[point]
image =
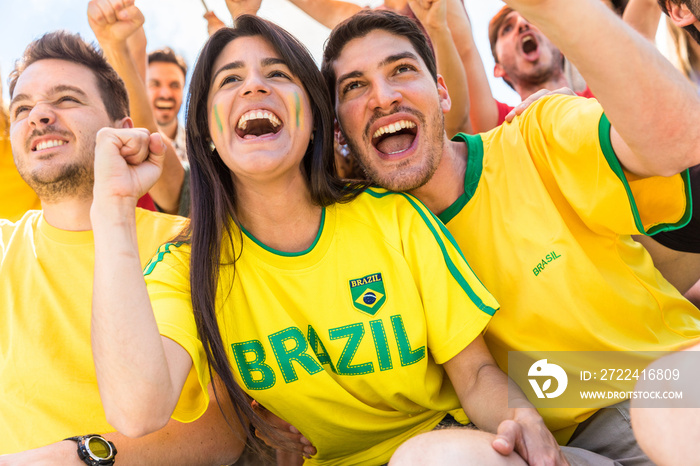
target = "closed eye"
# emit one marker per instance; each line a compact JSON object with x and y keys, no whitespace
{"x":20,"y":109}
{"x":67,"y":98}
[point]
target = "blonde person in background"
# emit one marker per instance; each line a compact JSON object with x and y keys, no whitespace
{"x":16,"y":197}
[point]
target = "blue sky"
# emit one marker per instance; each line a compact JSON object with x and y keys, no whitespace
{"x":179,"y":24}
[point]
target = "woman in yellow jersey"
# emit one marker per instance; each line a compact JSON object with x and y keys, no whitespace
{"x":346,"y":312}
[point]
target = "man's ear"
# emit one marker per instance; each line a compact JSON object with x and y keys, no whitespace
{"x":680,"y":15}
{"x":125,"y":122}
{"x":498,"y":71}
{"x":445,"y":101}
{"x":338,"y":133}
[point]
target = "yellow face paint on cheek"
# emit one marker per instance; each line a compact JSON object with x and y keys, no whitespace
{"x":295,"y":102}
{"x":218,"y":119}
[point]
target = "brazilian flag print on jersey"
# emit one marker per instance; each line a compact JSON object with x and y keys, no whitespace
{"x":368,"y":293}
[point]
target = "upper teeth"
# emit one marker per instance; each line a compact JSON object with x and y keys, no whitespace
{"x":394,"y":127}
{"x":48,"y":144}
{"x":527,"y":39}
{"x":258,"y":115}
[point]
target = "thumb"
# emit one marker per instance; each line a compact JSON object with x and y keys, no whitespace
{"x":506,"y":436}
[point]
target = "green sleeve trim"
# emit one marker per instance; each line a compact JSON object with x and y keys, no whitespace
{"x":604,"y":127}
{"x":454,"y":271}
{"x":290,"y":254}
{"x":475,"y":165}
{"x":162,"y":251}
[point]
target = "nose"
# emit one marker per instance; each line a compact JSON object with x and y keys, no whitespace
{"x":41,"y":115}
{"x":384,"y":95}
{"x":523,"y":25}
{"x":254,"y":84}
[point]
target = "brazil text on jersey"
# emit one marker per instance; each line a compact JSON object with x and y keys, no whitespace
{"x":309,"y":353}
{"x":543,"y":263}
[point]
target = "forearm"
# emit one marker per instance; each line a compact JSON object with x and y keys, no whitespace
{"x":651,"y":105}
{"x":643,"y":16}
{"x":136,"y":44}
{"x":483,"y":112}
{"x":207,"y":441}
{"x":327,"y":12}
{"x":495,"y":398}
{"x":450,"y":67}
{"x":132,"y":370}
{"x":166,"y":191}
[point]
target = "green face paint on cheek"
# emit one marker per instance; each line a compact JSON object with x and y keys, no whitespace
{"x":218,"y":119}
{"x":297,"y":102}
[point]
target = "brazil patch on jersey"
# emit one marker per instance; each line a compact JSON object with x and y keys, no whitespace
{"x":368,"y":293}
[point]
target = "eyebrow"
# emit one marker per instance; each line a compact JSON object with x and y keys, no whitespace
{"x":236,"y":65}
{"x":54,"y":90}
{"x":387,"y":61}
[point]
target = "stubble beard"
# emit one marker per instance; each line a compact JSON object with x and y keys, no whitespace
{"x":407,"y":174}
{"x":53,"y":184}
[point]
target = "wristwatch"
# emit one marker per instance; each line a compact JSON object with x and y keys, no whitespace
{"x":95,"y":450}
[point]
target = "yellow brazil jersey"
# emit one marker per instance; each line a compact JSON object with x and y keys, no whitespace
{"x":48,"y":389}
{"x":343,"y":340}
{"x":16,"y":197}
{"x":545,"y":222}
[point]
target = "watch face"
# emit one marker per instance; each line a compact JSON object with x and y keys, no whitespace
{"x":99,"y":448}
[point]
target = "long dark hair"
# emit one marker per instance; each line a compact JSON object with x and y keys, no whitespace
{"x":214,"y":193}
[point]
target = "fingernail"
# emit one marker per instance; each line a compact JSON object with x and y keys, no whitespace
{"x":293,"y":430}
{"x":501,"y":442}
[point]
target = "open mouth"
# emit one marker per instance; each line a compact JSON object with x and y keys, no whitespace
{"x":529,"y":45}
{"x":395,"y":137}
{"x":164,"y":104}
{"x":47,"y":144}
{"x":257,"y":123}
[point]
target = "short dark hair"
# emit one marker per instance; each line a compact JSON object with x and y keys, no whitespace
{"x":693,"y":7}
{"x":167,"y":55}
{"x":364,"y":22}
{"x":495,"y":25}
{"x":63,"y":45}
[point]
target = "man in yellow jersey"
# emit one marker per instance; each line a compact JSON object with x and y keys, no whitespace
{"x":62,"y":92}
{"x":543,"y":208}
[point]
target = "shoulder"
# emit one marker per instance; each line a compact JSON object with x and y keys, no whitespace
{"x":382,"y":203}
{"x":155,"y":228}
{"x":147,"y":221}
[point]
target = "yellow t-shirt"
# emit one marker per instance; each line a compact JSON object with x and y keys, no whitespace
{"x":545,"y":222}
{"x":343,"y":340}
{"x":16,"y":197}
{"x":48,"y":389}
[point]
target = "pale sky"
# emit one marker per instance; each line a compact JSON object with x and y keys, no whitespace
{"x":179,"y":24}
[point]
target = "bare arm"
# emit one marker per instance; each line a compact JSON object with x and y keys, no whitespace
{"x":643,"y":16}
{"x":207,"y":441}
{"x":243,"y":7}
{"x":652,"y":107}
{"x":681,"y":269}
{"x":140,"y":374}
{"x":495,"y":403}
{"x":113,"y":25}
{"x":483,"y":111}
{"x":670,"y":434}
{"x":327,"y":12}
{"x":433,"y":16}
